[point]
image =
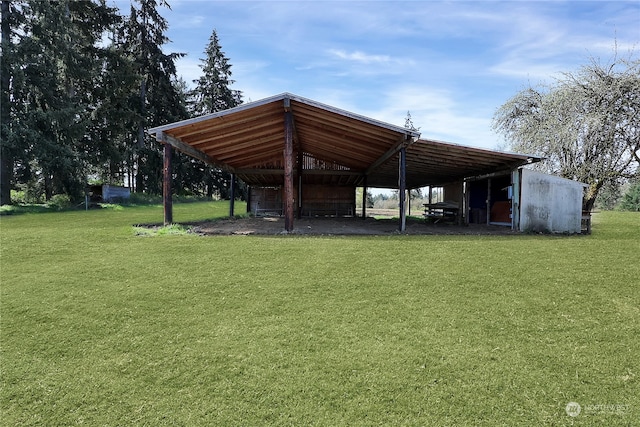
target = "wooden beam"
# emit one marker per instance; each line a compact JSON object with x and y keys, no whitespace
{"x":190,"y":151}
{"x":288,"y":172}
{"x":369,"y":121}
{"x":402,"y":187}
{"x":403,"y":143}
{"x":331,"y":172}
{"x":242,"y":107}
{"x":167,"y":202}
{"x":257,"y":171}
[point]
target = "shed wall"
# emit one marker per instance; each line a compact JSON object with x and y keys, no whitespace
{"x":265,"y":200}
{"x":114,"y":192}
{"x":323,"y":200}
{"x":550,"y":203}
{"x":317,"y":200}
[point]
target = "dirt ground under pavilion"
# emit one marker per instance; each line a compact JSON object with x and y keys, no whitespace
{"x":274,"y":225}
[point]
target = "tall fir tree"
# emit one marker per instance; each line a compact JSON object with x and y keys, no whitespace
{"x":116,"y":115}
{"x":10,"y":20}
{"x":55,"y":58}
{"x":213,"y":93}
{"x":143,"y":36}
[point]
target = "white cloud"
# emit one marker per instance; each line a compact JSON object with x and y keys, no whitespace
{"x":359,"y":56}
{"x":187,"y":21}
{"x":526,"y":70}
{"x":437,"y":112}
{"x":189,"y":69}
{"x":449,"y":63}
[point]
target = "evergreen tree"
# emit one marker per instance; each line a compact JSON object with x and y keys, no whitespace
{"x":631,"y":199}
{"x":143,"y":36}
{"x":11,"y":18}
{"x":211,"y":94}
{"x":408,"y":122}
{"x":116,"y":116}
{"x":55,"y":59}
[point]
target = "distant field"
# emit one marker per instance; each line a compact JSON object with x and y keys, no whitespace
{"x":100,"y":326}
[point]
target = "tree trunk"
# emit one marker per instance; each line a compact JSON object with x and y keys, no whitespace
{"x":140,"y":145}
{"x":139,"y":174}
{"x":6,"y":157}
{"x":591,"y":195}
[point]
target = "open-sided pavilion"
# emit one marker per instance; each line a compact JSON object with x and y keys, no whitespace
{"x":297,"y":144}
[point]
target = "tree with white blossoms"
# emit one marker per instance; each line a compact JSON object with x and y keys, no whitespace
{"x":586,"y":125}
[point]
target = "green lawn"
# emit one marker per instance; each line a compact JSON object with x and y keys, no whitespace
{"x":100,"y":326}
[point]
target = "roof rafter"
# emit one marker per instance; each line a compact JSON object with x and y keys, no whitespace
{"x":189,"y":150}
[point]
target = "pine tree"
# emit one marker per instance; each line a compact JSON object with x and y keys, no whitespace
{"x":10,"y":18}
{"x":116,"y":115}
{"x":408,"y":122}
{"x":54,"y":62}
{"x":213,"y":92}
{"x":143,"y":36}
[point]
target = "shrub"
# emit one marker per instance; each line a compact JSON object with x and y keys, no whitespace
{"x":18,"y":197}
{"x":27,"y":195}
{"x":59,"y":202}
{"x":631,"y":200}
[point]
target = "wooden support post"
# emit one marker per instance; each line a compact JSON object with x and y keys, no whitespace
{"x":467,"y":199}
{"x":461,"y":204}
{"x":288,"y":171}
{"x":488,"y":200}
{"x":364,"y":198}
{"x":232,"y":194}
{"x":167,"y":202}
{"x":300,"y":169}
{"x":402,"y":187}
{"x":248,"y":199}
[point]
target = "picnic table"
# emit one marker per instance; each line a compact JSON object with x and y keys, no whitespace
{"x":441,"y":211}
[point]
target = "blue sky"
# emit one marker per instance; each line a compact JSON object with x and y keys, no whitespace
{"x":451,"y":64}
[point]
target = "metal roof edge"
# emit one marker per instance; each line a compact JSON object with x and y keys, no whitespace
{"x":241,"y":107}
{"x":575,"y":181}
{"x":356,"y":116}
{"x":283,"y":96}
{"x":529,"y":157}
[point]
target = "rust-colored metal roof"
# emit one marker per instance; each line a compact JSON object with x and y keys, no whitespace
{"x":334,"y":146}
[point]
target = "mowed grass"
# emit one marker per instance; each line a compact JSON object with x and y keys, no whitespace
{"x":100,"y":326}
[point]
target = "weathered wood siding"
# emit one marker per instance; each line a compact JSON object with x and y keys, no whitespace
{"x":266,"y":200}
{"x":317,"y":200}
{"x":322,"y":200}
